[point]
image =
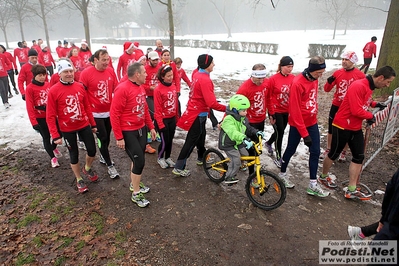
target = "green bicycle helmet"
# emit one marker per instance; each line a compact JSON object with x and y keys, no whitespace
{"x":239,"y":102}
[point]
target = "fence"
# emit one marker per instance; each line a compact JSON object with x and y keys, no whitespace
{"x":385,"y":127}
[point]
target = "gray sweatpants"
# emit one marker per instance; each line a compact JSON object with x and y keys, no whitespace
{"x":235,"y":161}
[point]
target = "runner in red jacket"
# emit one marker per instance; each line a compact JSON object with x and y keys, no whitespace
{"x":347,"y":125}
{"x":25,"y":75}
{"x":125,"y":60}
{"x":100,"y":82}
{"x":68,"y":104}
{"x":303,"y":109}
{"x":278,"y":92}
{"x":130,"y":120}
{"x":255,"y":89}
{"x":341,"y":79}
{"x":166,"y":114}
{"x":46,"y":59}
{"x":85,"y":53}
{"x":77,"y":61}
{"x":4,"y":63}
{"x":36,"y":103}
{"x":11,"y":70}
{"x":21,"y":54}
{"x":201,"y":99}
{"x":369,"y":50}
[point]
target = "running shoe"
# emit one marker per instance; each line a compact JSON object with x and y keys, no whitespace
{"x":254,"y":183}
{"x":230,"y":180}
{"x":163,"y":163}
{"x":54,"y":162}
{"x":180,"y":172}
{"x":342,"y":157}
{"x":102,"y":160}
{"x":170,"y":162}
{"x":269,"y":149}
{"x":354,"y":233}
{"x":324,"y":154}
{"x":82,"y":188}
{"x":286,"y":180}
{"x":143,"y":189}
{"x":356,"y":195}
{"x":327,"y":182}
{"x":140,"y":200}
{"x":81,"y":145}
{"x":113,"y":173}
{"x":57,"y":153}
{"x":16,"y":91}
{"x":278,"y":162}
{"x":90,"y":174}
{"x":10,"y":95}
{"x":316,"y":190}
{"x":149,"y":149}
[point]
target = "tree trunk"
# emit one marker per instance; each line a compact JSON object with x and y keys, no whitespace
{"x":6,"y":39}
{"x":171,"y":30}
{"x":335,"y":28}
{"x":86,"y":24}
{"x":45,"y":24}
{"x":389,"y":54}
{"x":22,"y":29}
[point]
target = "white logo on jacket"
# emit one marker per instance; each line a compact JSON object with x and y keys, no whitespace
{"x":73,"y":107}
{"x":102,"y":92}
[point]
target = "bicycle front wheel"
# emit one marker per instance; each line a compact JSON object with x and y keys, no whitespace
{"x":267,"y":197}
{"x":215,"y":165}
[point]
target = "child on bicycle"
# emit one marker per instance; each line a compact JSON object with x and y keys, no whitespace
{"x":234,"y":135}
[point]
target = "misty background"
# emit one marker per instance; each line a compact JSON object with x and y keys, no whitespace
{"x":193,"y":17}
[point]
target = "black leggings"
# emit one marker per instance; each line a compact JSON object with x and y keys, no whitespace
{"x":195,"y":138}
{"x":103,"y":134}
{"x":49,"y":146}
{"x":278,"y":134}
{"x":86,"y":135}
{"x":12,"y":79}
{"x":370,"y":230}
{"x":135,"y":142}
{"x":354,"y":139}
{"x":165,"y":147}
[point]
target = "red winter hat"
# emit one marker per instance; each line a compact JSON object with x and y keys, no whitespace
{"x":126,"y":46}
{"x":136,"y":45}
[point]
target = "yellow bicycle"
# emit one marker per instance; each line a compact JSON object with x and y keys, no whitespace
{"x":264,"y":188}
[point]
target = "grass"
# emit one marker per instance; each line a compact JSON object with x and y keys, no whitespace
{"x":80,"y":245}
{"x":38,"y":198}
{"x":120,"y":237}
{"x":54,"y":218}
{"x":120,"y":253}
{"x":23,"y":259}
{"x":30,"y":218}
{"x":37,"y":240}
{"x":60,"y":261}
{"x":98,"y":222}
{"x":67,"y":241}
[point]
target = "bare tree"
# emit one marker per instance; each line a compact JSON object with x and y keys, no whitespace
{"x":19,"y":8}
{"x":5,"y":19}
{"x":227,"y":17}
{"x":168,"y":4}
{"x":83,"y":7}
{"x":45,"y":9}
{"x":389,"y":54}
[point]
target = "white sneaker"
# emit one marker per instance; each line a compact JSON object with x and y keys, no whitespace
{"x":342,"y":157}
{"x":163,"y":163}
{"x":324,"y":154}
{"x":354,"y":234}
{"x":57,"y":153}
{"x":81,"y":145}
{"x":7,"y":105}
{"x":170,"y":162}
{"x":287,"y":182}
{"x":112,"y":172}
{"x":316,"y":190}
{"x":54,"y":162}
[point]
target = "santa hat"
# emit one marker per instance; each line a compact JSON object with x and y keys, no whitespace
{"x":351,"y":56}
{"x":126,"y":46}
{"x":136,"y":45}
{"x":84,"y":42}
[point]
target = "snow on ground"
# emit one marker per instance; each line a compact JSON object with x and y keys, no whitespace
{"x":16,"y":131}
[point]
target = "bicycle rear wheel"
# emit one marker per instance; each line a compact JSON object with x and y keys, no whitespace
{"x":215,"y":165}
{"x":269,"y":197}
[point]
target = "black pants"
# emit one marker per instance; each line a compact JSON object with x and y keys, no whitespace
{"x":165,"y":147}
{"x":50,"y":70}
{"x":135,"y":142}
{"x":370,"y":230}
{"x":195,"y":138}
{"x":49,"y":146}
{"x":4,"y":89}
{"x":103,"y":134}
{"x":150,"y":103}
{"x":86,"y":135}
{"x":278,"y":134}
{"x":11,"y":78}
{"x":366,"y":65}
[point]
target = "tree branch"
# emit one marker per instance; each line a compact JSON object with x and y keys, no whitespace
{"x":371,"y":7}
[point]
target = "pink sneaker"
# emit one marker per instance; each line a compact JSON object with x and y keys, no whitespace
{"x":57,"y":153}
{"x":54,"y":162}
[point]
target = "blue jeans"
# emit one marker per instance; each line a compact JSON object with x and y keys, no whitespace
{"x":293,"y":141}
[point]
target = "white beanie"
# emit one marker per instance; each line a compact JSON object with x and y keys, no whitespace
{"x":64,"y":65}
{"x":351,"y":56}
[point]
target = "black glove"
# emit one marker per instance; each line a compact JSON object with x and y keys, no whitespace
{"x":371,"y":121}
{"x":16,"y":71}
{"x":36,"y":128}
{"x":330,"y":79}
{"x":308,"y":141}
{"x":381,"y":106}
{"x":23,"y":97}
